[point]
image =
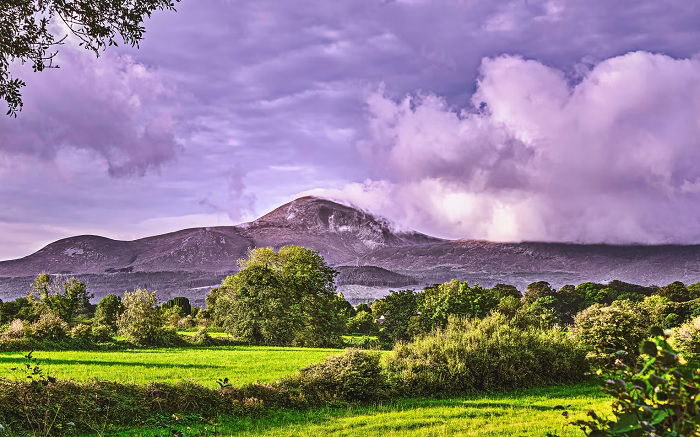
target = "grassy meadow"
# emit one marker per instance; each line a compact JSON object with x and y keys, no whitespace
{"x":241,"y":364}
{"x":533,"y":412}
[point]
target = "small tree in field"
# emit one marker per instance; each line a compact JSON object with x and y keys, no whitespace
{"x":142,"y":321}
{"x":108,"y":310}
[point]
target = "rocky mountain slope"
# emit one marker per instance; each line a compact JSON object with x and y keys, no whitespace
{"x":370,"y":255}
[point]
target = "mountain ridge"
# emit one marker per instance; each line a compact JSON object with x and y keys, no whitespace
{"x":370,"y":253}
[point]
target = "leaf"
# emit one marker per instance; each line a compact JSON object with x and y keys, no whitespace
{"x":625,"y":423}
{"x":649,"y":348}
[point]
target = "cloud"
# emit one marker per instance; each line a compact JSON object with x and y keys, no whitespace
{"x":113,"y":106}
{"x":611,"y":157}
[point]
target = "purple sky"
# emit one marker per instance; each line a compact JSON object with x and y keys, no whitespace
{"x":574,"y":120}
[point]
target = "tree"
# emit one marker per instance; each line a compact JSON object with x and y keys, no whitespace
{"x":537,"y":290}
{"x":256,"y":307}
{"x":66,"y":299}
{"x":503,"y":290}
{"x":361,"y":323}
{"x":453,"y":298}
{"x":26,"y":32}
{"x":394,"y":313}
{"x":618,"y":327}
{"x":182,"y":303}
{"x":108,"y":311}
{"x":141,"y":322}
{"x":281,"y":297}
{"x":675,"y":291}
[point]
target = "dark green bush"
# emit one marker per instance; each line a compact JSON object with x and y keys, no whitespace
{"x":354,"y":376}
{"x":361,"y":323}
{"x":608,"y":329}
{"x":657,"y":397}
{"x":488,"y":354}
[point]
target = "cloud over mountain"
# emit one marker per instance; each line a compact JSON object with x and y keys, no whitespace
{"x":610,"y":156}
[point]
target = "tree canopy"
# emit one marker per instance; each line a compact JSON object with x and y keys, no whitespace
{"x":26,"y":33}
{"x":281,"y":297}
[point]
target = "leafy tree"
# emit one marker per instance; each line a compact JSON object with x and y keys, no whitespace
{"x":567,"y":303}
{"x":67,"y":299}
{"x":109,"y":308}
{"x":675,"y":291}
{"x":257,"y":308}
{"x":503,"y":290}
{"x":608,"y":329}
{"x":183,"y":304}
{"x":20,"y":308}
{"x":363,"y":307}
{"x":541,"y":313}
{"x":437,"y":304}
{"x":141,"y":321}
{"x":361,"y":323}
{"x":282,"y":297}
{"x":26,"y":32}
{"x":395,"y":312}
{"x":537,"y":290}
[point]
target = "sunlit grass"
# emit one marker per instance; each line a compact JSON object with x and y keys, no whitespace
{"x":523,"y":413}
{"x":241,"y":364}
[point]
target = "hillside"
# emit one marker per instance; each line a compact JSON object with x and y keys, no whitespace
{"x":370,"y":254}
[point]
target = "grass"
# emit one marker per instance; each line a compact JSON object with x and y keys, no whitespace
{"x":522,"y":413}
{"x":241,"y":364}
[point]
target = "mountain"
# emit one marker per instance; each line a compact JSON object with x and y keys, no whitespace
{"x":369,"y":253}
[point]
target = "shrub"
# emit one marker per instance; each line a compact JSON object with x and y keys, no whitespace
{"x":658,"y":397}
{"x":687,"y":339}
{"x":485,"y":354}
{"x":354,"y":376}
{"x":202,"y":337}
{"x":608,"y":329}
{"x":16,"y":329}
{"x":49,"y":327}
{"x":141,"y":322}
{"x":81,"y":331}
{"x":102,"y":333}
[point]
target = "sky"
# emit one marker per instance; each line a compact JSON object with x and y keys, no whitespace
{"x":546,"y":120}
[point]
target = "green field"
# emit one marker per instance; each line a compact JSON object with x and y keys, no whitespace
{"x":241,"y":364}
{"x":521,"y":413}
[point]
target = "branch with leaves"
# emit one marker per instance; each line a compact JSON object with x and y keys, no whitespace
{"x":26,"y":37}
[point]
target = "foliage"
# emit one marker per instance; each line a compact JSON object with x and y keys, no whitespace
{"x":26,"y":32}
{"x":395,"y":312}
{"x":485,"y":354}
{"x":361,"y":323}
{"x":608,"y":329}
{"x":49,"y":327}
{"x":675,"y":291}
{"x":353,"y":376}
{"x":108,"y":310}
{"x":453,"y":298}
{"x":537,"y":290}
{"x":686,"y":339}
{"x":66,"y":299}
{"x":142,"y":321}
{"x":657,"y":398}
{"x":20,"y":308}
{"x":281,"y":298}
{"x":182,"y":303}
